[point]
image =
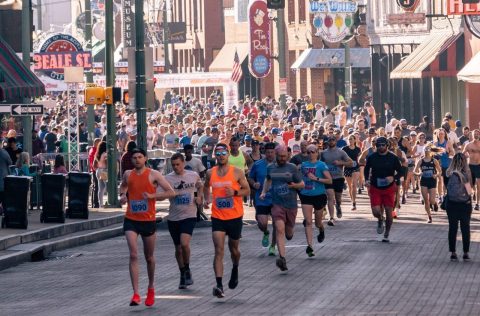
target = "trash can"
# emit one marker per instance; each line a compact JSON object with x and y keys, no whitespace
{"x":78,"y":194}
{"x":53,"y":198}
{"x":16,"y":202}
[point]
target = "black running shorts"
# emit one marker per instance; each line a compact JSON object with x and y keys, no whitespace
{"x":318,"y":201}
{"x":143,"y":228}
{"x":337,"y":185}
{"x":184,"y":226}
{"x":231,"y":227}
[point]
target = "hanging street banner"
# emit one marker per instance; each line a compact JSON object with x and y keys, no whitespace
{"x":58,"y":52}
{"x":457,"y":7}
{"x":334,"y":20}
{"x":259,"y":60}
{"x":128,"y":27}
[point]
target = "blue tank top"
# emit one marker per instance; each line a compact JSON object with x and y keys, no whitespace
{"x":444,"y":159}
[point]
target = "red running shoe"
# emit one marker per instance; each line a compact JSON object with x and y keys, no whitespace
{"x":150,"y":300}
{"x":136,"y":300}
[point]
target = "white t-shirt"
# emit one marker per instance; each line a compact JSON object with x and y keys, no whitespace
{"x":453,"y":138}
{"x":182,"y":205}
{"x":195,"y":165}
{"x":245,"y":149}
{"x":295,"y":146}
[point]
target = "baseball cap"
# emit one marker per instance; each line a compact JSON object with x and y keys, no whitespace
{"x":248,"y":138}
{"x":275,"y":130}
{"x":255,"y":142}
{"x":381,"y":140}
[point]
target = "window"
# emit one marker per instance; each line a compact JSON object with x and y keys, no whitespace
{"x":302,"y":11}
{"x":241,"y":11}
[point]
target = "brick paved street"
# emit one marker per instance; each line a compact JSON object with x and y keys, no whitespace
{"x":352,"y":274}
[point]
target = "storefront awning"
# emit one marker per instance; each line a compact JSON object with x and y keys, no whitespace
{"x":16,"y":80}
{"x":435,"y":57}
{"x":471,"y":71}
{"x":332,"y":58}
{"x":224,"y":59}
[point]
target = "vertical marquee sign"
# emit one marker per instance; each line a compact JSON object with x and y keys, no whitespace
{"x":334,"y":20}
{"x":259,"y":39}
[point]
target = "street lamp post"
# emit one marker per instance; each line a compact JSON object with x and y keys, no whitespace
{"x":89,"y":74}
{"x":140,"y":91}
{"x":26,"y":49}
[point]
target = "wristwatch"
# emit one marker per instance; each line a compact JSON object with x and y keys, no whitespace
{"x":318,"y":179}
{"x":235,"y":193}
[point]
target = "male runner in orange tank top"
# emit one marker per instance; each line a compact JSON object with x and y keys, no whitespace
{"x":139,"y":190}
{"x":229,"y":186}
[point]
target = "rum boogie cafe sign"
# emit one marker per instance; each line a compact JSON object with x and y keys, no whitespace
{"x":259,"y":39}
{"x":456,"y":7}
{"x":58,"y":52}
{"x":333,"y":19}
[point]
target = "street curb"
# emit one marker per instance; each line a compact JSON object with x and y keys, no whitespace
{"x":59,"y":230}
{"x":41,"y":251}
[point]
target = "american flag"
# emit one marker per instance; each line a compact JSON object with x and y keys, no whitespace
{"x":236,"y":69}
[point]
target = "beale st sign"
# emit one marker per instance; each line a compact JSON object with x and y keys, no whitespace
{"x":58,"y":52}
{"x":456,"y":7}
{"x":259,"y":61}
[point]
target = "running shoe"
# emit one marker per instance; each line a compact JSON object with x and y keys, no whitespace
{"x":359,"y":191}
{"x":429,"y":220}
{"x":310,"y":252}
{"x":435,"y":207}
{"x":282,"y":264}
{"x":182,"y":285}
{"x":304,"y":223}
{"x":265,"y":239}
{"x":188,"y":277}
{"x":339,"y":210}
{"x":453,"y":257}
{"x":385,"y":239}
{"x":150,"y":300}
{"x":476,"y":207}
{"x":271,"y":251}
{"x":354,"y":206}
{"x":466,"y":257}
{"x":380,"y":227}
{"x":218,"y":292}
{"x":136,"y":300}
{"x":330,"y":222}
{"x":404,"y":200}
{"x":394,"y":214}
{"x":321,"y":235}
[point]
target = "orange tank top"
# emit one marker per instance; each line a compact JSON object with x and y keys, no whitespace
{"x":223,"y":207}
{"x":139,"y":208}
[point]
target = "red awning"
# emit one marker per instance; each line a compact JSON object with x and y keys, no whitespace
{"x":16,"y":80}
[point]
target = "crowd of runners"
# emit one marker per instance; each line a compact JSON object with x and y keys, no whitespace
{"x":272,"y":159}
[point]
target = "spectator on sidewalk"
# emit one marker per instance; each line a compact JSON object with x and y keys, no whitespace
{"x":5,"y":163}
{"x":126,"y":161}
{"x":59,"y":166}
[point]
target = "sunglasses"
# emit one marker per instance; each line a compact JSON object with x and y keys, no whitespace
{"x":381,"y":145}
{"x":312,"y":152}
{"x":221,"y":153}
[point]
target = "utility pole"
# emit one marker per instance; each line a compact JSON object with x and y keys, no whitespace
{"x":26,"y":50}
{"x":89,"y":74}
{"x":111,"y":128}
{"x":348,"y":74}
{"x":140,"y":91}
{"x":165,"y":37}
{"x":281,"y":51}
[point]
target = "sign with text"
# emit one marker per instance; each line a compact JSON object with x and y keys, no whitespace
{"x":58,"y":61}
{"x":457,"y":7}
{"x":259,"y":39}
{"x":408,"y":5}
{"x":128,"y":23}
{"x":60,"y":51}
{"x":26,"y":109}
{"x":406,"y":18}
{"x":334,"y":20}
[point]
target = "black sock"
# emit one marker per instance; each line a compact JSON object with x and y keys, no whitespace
{"x":219,"y":282}
{"x":182,"y":270}
{"x":234,"y":271}
{"x":187,"y":266}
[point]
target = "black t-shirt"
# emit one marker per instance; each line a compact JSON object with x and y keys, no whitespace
{"x":50,"y":140}
{"x":463,"y":139}
{"x":352,"y":153}
{"x":298,"y":159}
{"x":381,"y":167}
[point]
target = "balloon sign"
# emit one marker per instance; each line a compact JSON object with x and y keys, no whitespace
{"x":333,"y":19}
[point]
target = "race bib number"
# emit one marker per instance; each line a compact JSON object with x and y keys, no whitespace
{"x":183,"y":199}
{"x":382,"y":182}
{"x":427,"y":174}
{"x":138,"y":206}
{"x":332,"y":168}
{"x":282,"y":190}
{"x":309,"y":185}
{"x":224,"y":203}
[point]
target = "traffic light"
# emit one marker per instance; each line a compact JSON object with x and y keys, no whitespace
{"x":94,"y":95}
{"x":113,"y":95}
{"x":470,"y":1}
{"x":276,"y":4}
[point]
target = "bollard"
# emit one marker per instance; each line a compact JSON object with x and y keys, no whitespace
{"x":35,"y":187}
{"x":78,"y":194}
{"x":53,"y":198}
{"x":16,"y":202}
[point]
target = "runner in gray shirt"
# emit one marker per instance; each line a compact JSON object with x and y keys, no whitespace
{"x":284,"y":179}
{"x":182,"y":215}
{"x":336,"y":159}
